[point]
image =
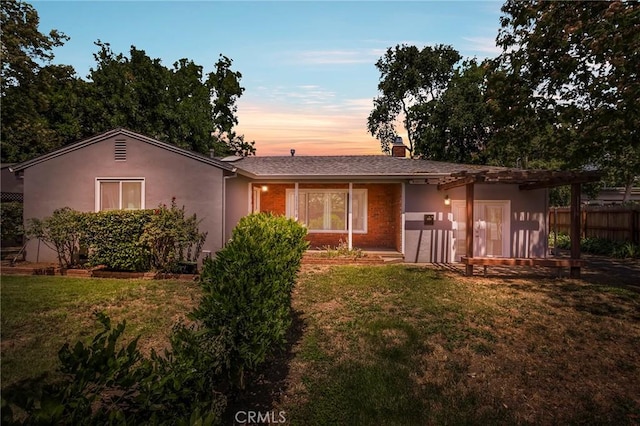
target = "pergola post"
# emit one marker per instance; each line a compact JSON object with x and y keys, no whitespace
{"x":469,"y":227}
{"x":575,"y":228}
{"x":350,"y":216}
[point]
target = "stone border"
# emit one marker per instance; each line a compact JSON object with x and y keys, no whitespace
{"x":25,"y":270}
{"x":94,"y":273}
{"x":325,"y":260}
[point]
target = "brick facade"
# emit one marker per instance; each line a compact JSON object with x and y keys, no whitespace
{"x":384,"y":206}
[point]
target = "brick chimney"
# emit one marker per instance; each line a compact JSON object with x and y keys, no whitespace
{"x":398,"y":149}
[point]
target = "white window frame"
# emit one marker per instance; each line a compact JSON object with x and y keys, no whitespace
{"x":291,"y":209}
{"x":120,"y":180}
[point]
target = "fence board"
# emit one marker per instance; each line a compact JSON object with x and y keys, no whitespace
{"x":615,"y":223}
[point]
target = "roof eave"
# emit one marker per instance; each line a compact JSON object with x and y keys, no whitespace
{"x":103,"y":136}
{"x":385,"y":176}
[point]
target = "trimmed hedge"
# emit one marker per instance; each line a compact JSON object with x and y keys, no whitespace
{"x":162,"y":239}
{"x":247,"y":289}
{"x":113,"y":239}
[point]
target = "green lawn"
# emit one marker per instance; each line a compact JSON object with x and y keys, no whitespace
{"x":401,"y":345}
{"x":392,"y":345}
{"x":41,"y":313}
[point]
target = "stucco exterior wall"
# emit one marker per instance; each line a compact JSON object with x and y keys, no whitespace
{"x":528,"y":217}
{"x":237,"y":202}
{"x":70,"y":180}
{"x":436,"y":243}
{"x":10,"y":182}
{"x":424,"y":242}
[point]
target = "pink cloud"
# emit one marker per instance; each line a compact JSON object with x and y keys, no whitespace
{"x":319,"y":131}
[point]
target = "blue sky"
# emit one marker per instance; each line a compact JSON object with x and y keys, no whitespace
{"x":308,"y":67}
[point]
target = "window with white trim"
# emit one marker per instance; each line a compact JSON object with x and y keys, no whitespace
{"x":119,"y":194}
{"x":327,"y":210}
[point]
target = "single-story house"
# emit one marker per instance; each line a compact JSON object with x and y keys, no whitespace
{"x":419,"y":208}
{"x":392,"y":203}
{"x":121,"y":169}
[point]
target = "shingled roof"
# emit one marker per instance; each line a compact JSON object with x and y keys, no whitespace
{"x":350,"y":166}
{"x":126,"y":133}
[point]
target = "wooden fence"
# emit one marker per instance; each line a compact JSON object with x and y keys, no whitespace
{"x":615,"y":223}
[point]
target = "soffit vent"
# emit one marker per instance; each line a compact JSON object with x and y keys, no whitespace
{"x":121,"y":150}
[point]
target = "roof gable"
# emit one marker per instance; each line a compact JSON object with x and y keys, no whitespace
{"x":132,"y":135}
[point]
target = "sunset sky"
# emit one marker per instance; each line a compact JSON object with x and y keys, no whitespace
{"x":308,"y":67}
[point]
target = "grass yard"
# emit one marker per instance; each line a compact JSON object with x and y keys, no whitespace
{"x":392,"y":345}
{"x":402,"y":345}
{"x":41,"y":313}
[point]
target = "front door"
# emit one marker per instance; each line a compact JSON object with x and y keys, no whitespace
{"x":491,"y":227}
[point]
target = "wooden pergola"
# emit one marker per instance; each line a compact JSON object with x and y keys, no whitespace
{"x":527,"y":180}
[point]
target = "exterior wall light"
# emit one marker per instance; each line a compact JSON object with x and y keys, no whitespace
{"x":447,"y":200}
{"x":265,"y":188}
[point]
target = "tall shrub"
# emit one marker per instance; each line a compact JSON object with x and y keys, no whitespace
{"x":62,"y":231}
{"x":247,"y":289}
{"x":11,"y":223}
{"x":172,"y":238}
{"x":113,"y":239}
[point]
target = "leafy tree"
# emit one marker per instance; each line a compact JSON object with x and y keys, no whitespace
{"x":47,"y":106}
{"x":175,"y":105}
{"x":408,"y":77}
{"x":456,"y":126}
{"x":24,"y":47}
{"x":225,"y":89}
{"x":126,"y":92}
{"x":188,"y":112}
{"x":38,"y":99}
{"x":568,"y":83}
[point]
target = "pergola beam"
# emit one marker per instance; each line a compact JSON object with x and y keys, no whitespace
{"x":560,"y":180}
{"x":457,"y":183}
{"x":526,"y":179}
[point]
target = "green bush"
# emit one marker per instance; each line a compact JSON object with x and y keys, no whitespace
{"x":627,"y":250}
{"x":62,"y":232}
{"x":11,"y":223}
{"x":139,"y":240}
{"x":113,"y":239}
{"x":599,"y":246}
{"x":171,"y":238}
{"x":562,"y":241}
{"x":103,"y":383}
{"x":247,"y":290}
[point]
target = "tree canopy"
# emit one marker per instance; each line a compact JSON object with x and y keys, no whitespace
{"x":32,"y":90}
{"x":563,"y":93}
{"x":574,"y":67}
{"x":408,"y":77}
{"x":47,"y":106}
{"x":456,"y":126}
